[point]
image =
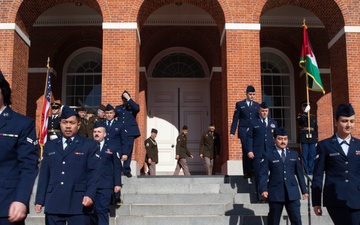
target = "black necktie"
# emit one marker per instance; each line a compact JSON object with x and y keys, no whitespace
{"x":344,"y":142}
{"x":264,"y":122}
{"x":99,"y":146}
{"x":68,"y":143}
{"x":283,"y":155}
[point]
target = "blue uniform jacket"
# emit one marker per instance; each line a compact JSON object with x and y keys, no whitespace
{"x":245,"y":114}
{"x":118,"y":134}
{"x":260,"y":138}
{"x":67,"y":176}
{"x":18,"y":159}
{"x":127,"y":115}
{"x":283,"y":176}
{"x":342,"y":179}
{"x":110,"y":169}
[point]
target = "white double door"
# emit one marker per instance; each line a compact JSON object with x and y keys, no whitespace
{"x":172,"y":103}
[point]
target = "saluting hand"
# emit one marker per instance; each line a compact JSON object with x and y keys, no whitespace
{"x":126,"y":95}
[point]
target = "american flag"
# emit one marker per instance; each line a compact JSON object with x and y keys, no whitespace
{"x":45,"y":109}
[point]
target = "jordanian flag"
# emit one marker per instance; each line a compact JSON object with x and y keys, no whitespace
{"x":308,"y":63}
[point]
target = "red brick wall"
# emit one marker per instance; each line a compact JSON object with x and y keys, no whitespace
{"x":6,"y":54}
{"x":353,"y":70}
{"x":243,"y":69}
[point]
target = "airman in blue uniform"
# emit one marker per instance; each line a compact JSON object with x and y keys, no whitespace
{"x":339,"y":158}
{"x":126,"y":114}
{"x":260,"y":140}
{"x":281,"y":187}
{"x":116,"y":133}
{"x":18,"y":160}
{"x":245,"y":111}
{"x":69,"y":175}
{"x":110,"y":175}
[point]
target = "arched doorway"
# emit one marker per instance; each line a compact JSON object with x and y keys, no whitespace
{"x":178,"y":94}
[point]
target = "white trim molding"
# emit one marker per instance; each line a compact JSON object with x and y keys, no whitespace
{"x":142,"y":69}
{"x":352,"y":29}
{"x":242,"y":26}
{"x":239,"y":26}
{"x":118,"y":26}
{"x":345,"y":29}
{"x":215,"y":69}
{"x":13,"y":26}
{"x":122,"y":26}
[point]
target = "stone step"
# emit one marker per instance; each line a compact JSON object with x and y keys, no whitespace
{"x":176,"y":179}
{"x":200,"y":209}
{"x":184,"y":185}
{"x":196,"y":220}
{"x":159,"y":199}
{"x":218,"y":220}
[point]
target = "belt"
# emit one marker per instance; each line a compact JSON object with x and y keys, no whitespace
{"x":54,"y":130}
{"x":307,"y":128}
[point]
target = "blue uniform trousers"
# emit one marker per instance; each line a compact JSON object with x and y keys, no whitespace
{"x":256,"y":166}
{"x":344,"y":215}
{"x":126,"y":165}
{"x":308,"y":152}
{"x":102,"y":204}
{"x":5,"y":221}
{"x":292,"y":208}
{"x":61,"y":219}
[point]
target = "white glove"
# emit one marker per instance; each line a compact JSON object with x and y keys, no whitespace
{"x":307,"y":108}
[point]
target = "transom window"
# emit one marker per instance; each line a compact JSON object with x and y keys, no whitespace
{"x":178,"y":65}
{"x":276,"y":89}
{"x":83,"y":80}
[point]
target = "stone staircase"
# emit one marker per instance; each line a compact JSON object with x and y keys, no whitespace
{"x":194,"y":200}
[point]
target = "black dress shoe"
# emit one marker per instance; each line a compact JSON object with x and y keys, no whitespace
{"x":128,"y":175}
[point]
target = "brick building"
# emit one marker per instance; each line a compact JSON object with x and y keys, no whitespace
{"x":183,"y":61}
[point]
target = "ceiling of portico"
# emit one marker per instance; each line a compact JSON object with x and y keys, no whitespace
{"x":72,"y":14}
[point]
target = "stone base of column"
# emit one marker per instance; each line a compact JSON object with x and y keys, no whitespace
{"x":135,"y":168}
{"x":232,"y":167}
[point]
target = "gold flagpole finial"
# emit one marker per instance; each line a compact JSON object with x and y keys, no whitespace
{"x":48,"y":63}
{"x":304,"y":22}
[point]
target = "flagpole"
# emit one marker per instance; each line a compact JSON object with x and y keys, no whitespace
{"x":308,"y":103}
{"x":42,"y":119}
{"x":307,"y":91}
